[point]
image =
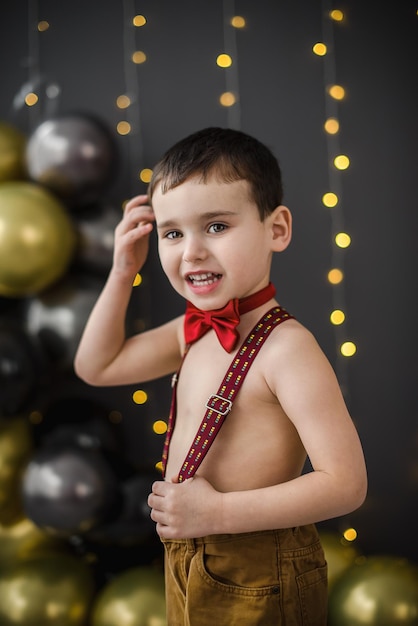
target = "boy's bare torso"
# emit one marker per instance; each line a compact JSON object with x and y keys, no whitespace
{"x":257,"y":446}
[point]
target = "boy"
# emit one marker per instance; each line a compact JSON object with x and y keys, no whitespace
{"x":240,"y":542}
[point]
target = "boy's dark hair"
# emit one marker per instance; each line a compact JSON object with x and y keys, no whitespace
{"x":228,"y":154}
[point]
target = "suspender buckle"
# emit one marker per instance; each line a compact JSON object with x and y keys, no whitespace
{"x":219,"y":404}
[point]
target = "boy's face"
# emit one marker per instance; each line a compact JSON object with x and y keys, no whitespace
{"x":212,"y":244}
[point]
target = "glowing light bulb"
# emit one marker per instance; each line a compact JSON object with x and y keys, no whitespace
{"x":350,"y":534}
{"x":336,"y":15}
{"x":238,"y":21}
{"x":139,"y":57}
{"x":140,"y":396}
{"x":43,"y":26}
{"x":31,"y":99}
{"x":319,"y":49}
{"x":337,"y":92}
{"x":224,"y":60}
{"x":159,"y":427}
{"x":227,"y":99}
{"x":348,"y":348}
{"x":335,"y":276}
{"x":139,"y":20}
{"x":137,"y":280}
{"x":330,"y":199}
{"x":145,"y":175}
{"x":337,"y":317}
{"x":123,"y":128}
{"x":332,"y":126}
{"x":342,"y":162}
{"x":343,"y":240}
{"x":123,"y":102}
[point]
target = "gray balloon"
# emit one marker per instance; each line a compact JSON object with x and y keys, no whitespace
{"x":74,"y":156}
{"x":70,"y":490}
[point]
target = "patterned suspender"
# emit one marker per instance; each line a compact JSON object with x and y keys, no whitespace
{"x":220,"y":404}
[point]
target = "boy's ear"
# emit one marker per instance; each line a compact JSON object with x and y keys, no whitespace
{"x":281,"y":228}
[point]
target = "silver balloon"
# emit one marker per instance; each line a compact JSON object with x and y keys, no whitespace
{"x":57,"y":317}
{"x":74,"y":156}
{"x":70,"y":490}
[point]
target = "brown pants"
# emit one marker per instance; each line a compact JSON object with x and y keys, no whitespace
{"x":266,"y":578}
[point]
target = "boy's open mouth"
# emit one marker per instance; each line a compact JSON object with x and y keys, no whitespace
{"x":203,"y":279}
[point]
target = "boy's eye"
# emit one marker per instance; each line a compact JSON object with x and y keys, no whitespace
{"x":173,"y":234}
{"x":216,"y":228}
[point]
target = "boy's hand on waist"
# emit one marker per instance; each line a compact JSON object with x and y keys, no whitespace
{"x":185,"y":510}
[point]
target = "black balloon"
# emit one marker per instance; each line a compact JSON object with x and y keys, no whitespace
{"x":21,"y":364}
{"x":95,"y":227}
{"x":70,"y":490}
{"x":74,"y":156}
{"x":133,"y":525}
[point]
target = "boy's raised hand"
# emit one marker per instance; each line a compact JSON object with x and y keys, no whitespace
{"x":132,"y":237}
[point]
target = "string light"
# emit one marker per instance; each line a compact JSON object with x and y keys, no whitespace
{"x":319,"y":49}
{"x":228,"y":61}
{"x":140,"y":396}
{"x":338,"y":163}
{"x":159,"y":427}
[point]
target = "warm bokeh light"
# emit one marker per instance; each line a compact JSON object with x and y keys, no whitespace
{"x":137,"y":280}
{"x":335,"y":276}
{"x":224,"y":60}
{"x":115,"y":417}
{"x":227,"y":99}
{"x":336,"y":15}
{"x":332,"y":126}
{"x":337,"y":317}
{"x":159,"y":427}
{"x":320,"y":49}
{"x":337,"y":92}
{"x":350,"y":534}
{"x":348,"y":348}
{"x":140,"y":396}
{"x":342,"y":162}
{"x":145,"y":175}
{"x":139,"y":20}
{"x":36,"y":417}
{"x":343,"y":240}
{"x":123,"y":101}
{"x":139,"y":57}
{"x":123,"y":128}
{"x":159,"y":466}
{"x":31,"y":99}
{"x":43,"y":26}
{"x":330,"y":199}
{"x":238,"y":21}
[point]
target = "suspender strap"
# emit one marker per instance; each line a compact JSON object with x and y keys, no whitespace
{"x":220,"y":404}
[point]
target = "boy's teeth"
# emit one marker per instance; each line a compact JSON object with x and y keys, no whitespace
{"x":203,"y":279}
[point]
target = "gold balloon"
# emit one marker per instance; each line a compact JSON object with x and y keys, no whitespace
{"x":23,"y":540}
{"x":15,"y":449}
{"x":12,"y":153}
{"x":37,"y":239}
{"x":134,"y":598}
{"x":339,"y":554}
{"x":380,"y":591}
{"x":49,"y":591}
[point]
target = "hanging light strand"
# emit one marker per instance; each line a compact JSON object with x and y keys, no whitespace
{"x":337,"y":163}
{"x":132,"y":110}
{"x":231,"y":98}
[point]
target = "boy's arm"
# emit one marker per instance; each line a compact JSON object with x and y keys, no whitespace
{"x":104,"y":355}
{"x":304,"y":382}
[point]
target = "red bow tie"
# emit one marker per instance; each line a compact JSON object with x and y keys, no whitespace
{"x":224,"y":321}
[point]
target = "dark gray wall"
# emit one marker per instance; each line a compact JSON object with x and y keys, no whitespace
{"x":283,"y":102}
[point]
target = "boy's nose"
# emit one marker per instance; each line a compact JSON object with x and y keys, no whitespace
{"x":194,"y":250}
